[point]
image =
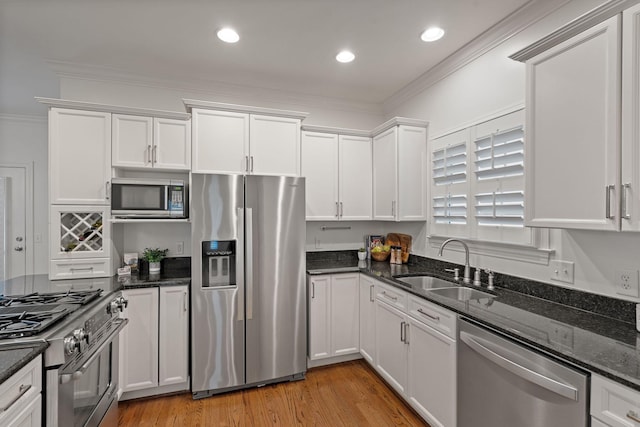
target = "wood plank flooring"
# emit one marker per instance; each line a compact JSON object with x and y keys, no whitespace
{"x":346,"y":394}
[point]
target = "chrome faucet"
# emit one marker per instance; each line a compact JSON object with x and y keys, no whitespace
{"x":467,"y":268}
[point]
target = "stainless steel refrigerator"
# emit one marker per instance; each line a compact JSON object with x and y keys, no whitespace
{"x":248,"y":295}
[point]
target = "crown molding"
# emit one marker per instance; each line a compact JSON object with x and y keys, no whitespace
{"x":92,"y":106}
{"x":522,"y":18}
{"x":210,"y":88}
{"x":335,"y":130}
{"x":578,"y":25}
{"x":194,"y":103}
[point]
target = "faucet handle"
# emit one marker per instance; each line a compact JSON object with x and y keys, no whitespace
{"x":455,"y":271}
{"x":489,"y":279}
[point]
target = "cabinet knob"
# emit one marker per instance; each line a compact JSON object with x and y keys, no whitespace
{"x":18,"y":249}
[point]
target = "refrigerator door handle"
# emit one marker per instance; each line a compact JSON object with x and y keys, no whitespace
{"x":249,"y":262}
{"x":240,"y":231}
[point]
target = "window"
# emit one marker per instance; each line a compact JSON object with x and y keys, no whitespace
{"x":477,"y":183}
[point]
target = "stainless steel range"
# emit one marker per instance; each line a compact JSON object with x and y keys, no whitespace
{"x":80,"y":321}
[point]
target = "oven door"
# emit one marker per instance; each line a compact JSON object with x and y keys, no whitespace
{"x":87,"y":387}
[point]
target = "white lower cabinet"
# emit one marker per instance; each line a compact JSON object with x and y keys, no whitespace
{"x":613,"y":404}
{"x":154,"y":347}
{"x":20,"y":397}
{"x":415,"y":352}
{"x":333,"y":315}
{"x":367,"y":318}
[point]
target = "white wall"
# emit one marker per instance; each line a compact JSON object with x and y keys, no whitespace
{"x":494,"y":83}
{"x":23,"y":140}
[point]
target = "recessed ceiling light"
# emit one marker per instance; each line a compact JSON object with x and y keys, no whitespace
{"x":345,"y":56}
{"x":432,"y":34}
{"x":228,"y":35}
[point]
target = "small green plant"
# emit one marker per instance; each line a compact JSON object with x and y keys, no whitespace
{"x":362,"y":250}
{"x":154,"y":255}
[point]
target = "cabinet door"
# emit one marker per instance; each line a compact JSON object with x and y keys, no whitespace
{"x":220,"y":141}
{"x":132,"y":141}
{"x":139,"y":340}
{"x":172,"y":144}
{"x":320,"y":169}
{"x":79,"y":156}
{"x":30,"y":416}
{"x":431,"y":388}
{"x":356,"y":178}
{"x":385,"y":175}
{"x":319,"y":317}
{"x":572,"y":149}
{"x":367,"y":318}
{"x":391,"y":350}
{"x":274,"y":146}
{"x":79,"y":232}
{"x":631,"y":119}
{"x":412,"y":173}
{"x":345,"y":334}
{"x":173,"y":355}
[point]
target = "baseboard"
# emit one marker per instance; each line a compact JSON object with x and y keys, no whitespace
{"x":332,"y":360}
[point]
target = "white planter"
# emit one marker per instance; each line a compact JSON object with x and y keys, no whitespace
{"x":154,"y":267}
{"x":362,"y":256}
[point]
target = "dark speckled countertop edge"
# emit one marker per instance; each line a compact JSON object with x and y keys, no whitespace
{"x":599,"y":344}
{"x":134,"y":282}
{"x":15,"y":357}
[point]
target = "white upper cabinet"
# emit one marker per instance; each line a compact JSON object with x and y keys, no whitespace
{"x":220,"y":141}
{"x":274,"y":145}
{"x":400,"y":173}
{"x":79,"y":156}
{"x":630,"y":210}
{"x":240,"y":140}
{"x":151,"y":142}
{"x":572,"y":128}
{"x":320,"y":169}
{"x":338,"y":173}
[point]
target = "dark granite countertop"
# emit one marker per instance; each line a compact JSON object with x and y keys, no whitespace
{"x":15,"y":357}
{"x":602,"y":341}
{"x":151,"y":281}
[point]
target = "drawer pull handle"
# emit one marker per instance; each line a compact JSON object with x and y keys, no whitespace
{"x":389,"y":296}
{"x":436,"y":318}
{"x":22,"y":390}
{"x":72,"y":269}
{"x":632,"y":415}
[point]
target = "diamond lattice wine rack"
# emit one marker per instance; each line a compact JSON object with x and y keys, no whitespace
{"x":81,"y":232}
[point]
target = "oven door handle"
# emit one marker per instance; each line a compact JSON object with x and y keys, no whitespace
{"x":65,"y":378}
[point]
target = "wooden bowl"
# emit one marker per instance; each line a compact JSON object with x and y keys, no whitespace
{"x":380,"y":256}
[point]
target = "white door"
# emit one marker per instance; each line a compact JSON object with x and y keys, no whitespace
{"x":220,"y":141}
{"x":391,"y":349}
{"x":173,"y":353}
{"x":411,"y":204}
{"x":319,"y":317}
{"x":14,"y":249}
{"x":385,"y":175}
{"x":356,"y":186}
{"x":132,"y":141}
{"x":345,"y":321}
{"x":274,"y":145}
{"x":320,"y":169}
{"x":367,"y":318}
{"x":171,"y":144}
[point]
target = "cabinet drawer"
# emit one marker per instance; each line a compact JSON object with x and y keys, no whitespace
{"x":79,"y":268}
{"x":392,"y":296}
{"x":20,"y":390}
{"x":430,"y":314}
{"x":615,"y":404}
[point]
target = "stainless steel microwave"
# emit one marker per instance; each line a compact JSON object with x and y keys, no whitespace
{"x":148,"y":198}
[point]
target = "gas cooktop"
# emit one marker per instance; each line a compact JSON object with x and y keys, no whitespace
{"x":27,"y":315}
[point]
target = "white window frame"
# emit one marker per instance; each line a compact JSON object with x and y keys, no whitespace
{"x":529,"y":245}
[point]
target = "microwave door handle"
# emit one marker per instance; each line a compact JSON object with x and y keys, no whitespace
{"x":166,"y":198}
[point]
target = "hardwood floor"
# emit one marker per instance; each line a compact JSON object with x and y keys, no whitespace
{"x":346,"y":394}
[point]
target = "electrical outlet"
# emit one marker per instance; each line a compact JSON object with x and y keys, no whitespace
{"x":626,"y":282}
{"x":179,"y":248}
{"x":562,"y":271}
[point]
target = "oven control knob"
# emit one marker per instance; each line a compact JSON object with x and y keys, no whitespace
{"x":81,"y":335}
{"x":71,"y":345}
{"x":118,"y":304}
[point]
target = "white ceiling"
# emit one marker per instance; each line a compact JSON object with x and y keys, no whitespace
{"x":287,"y":45}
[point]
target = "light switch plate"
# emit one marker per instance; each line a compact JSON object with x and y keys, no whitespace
{"x":562,"y":271}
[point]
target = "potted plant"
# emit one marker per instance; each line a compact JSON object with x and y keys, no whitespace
{"x":153,"y":257}
{"x":362,"y":254}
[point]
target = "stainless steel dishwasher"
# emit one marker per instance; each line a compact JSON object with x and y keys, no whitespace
{"x":502,"y":383}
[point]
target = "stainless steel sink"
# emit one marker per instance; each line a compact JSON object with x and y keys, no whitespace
{"x":426,"y":282}
{"x":462,"y":293}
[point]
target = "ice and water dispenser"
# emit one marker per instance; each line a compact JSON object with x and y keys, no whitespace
{"x":218,"y":263}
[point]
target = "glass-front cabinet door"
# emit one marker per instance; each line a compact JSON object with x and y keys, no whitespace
{"x":79,"y":232}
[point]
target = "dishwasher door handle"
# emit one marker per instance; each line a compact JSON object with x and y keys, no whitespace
{"x":530,"y":375}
